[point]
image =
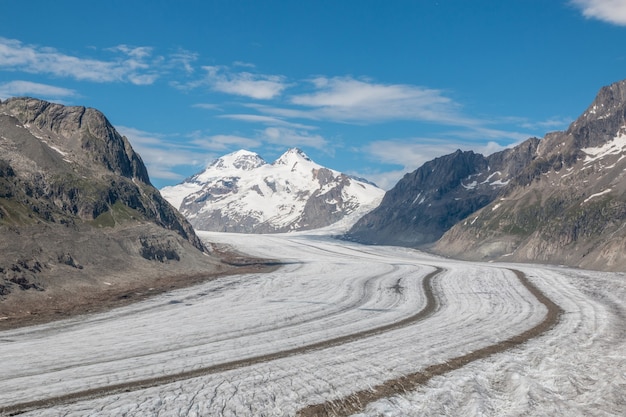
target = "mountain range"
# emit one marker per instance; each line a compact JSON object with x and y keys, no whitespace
{"x":242,"y":193}
{"x":560,"y":199}
{"x":80,"y":220}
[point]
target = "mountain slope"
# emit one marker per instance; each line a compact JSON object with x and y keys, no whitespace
{"x":430,"y":200}
{"x":240,"y":192}
{"x":568,"y":205}
{"x":78,"y":215}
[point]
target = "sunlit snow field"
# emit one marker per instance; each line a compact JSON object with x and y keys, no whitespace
{"x":327,"y":289}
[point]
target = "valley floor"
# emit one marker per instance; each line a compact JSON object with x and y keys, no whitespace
{"x":335,"y":319}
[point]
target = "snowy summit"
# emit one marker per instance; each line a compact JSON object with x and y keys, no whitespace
{"x":240,"y":192}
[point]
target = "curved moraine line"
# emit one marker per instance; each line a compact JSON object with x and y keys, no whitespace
{"x":427,"y":310}
{"x":357,"y":401}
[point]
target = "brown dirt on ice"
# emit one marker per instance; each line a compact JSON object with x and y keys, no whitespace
{"x":357,"y":401}
{"x":428,"y":309}
{"x":341,"y":407}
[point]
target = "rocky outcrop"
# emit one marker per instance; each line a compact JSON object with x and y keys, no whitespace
{"x":81,"y":130}
{"x":73,"y":164}
{"x":77,"y":207}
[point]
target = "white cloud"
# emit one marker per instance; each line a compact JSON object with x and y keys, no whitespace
{"x":243,"y":64}
{"x":27,"y":88}
{"x":346,"y":99}
{"x":256,"y":86}
{"x":161,"y":155}
{"x":484,"y":133}
{"x":290,"y":138}
{"x":183,"y":59}
{"x":224,"y":143}
{"x":206,"y":106}
{"x":137,"y":52}
{"x":611,"y":11}
{"x":164,"y":155}
{"x":141,"y":137}
{"x":553,"y":123}
{"x":491,"y":147}
{"x":134,"y":65}
{"x":268,"y":120}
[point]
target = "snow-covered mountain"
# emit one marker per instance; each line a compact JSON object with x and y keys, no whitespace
{"x":240,"y":192}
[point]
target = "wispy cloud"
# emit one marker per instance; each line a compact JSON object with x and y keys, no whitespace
{"x":162,"y":155}
{"x":290,"y":138}
{"x":246,"y":84}
{"x":129,"y":64}
{"x":267,"y":120}
{"x":412,"y":153}
{"x":482,"y":133}
{"x":184,"y":59}
{"x":224,"y":143}
{"x":553,"y":123}
{"x":27,"y":88}
{"x":610,"y":11}
{"x":346,"y":99}
{"x":207,"y":106}
{"x":243,"y":64}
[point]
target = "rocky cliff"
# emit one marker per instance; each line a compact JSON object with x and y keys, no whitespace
{"x":71,"y":163}
{"x":77,"y":208}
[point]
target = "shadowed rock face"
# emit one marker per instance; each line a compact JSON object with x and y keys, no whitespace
{"x":74,"y":193}
{"x":429,"y":201}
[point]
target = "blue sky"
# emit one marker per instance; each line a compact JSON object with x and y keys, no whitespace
{"x":370,"y":88}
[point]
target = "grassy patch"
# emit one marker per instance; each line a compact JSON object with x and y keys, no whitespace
{"x":15,"y":213}
{"x":118,"y":213}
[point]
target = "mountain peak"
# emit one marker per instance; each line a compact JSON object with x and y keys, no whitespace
{"x":609,"y":100}
{"x":293,"y":193}
{"x":242,"y":159}
{"x":80,"y":131}
{"x":600,"y":124}
{"x":292,"y":156}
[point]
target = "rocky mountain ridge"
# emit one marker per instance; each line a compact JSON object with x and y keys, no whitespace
{"x":426,"y":203}
{"x":568,"y":206}
{"x":561,"y":199}
{"x":242,"y":193}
